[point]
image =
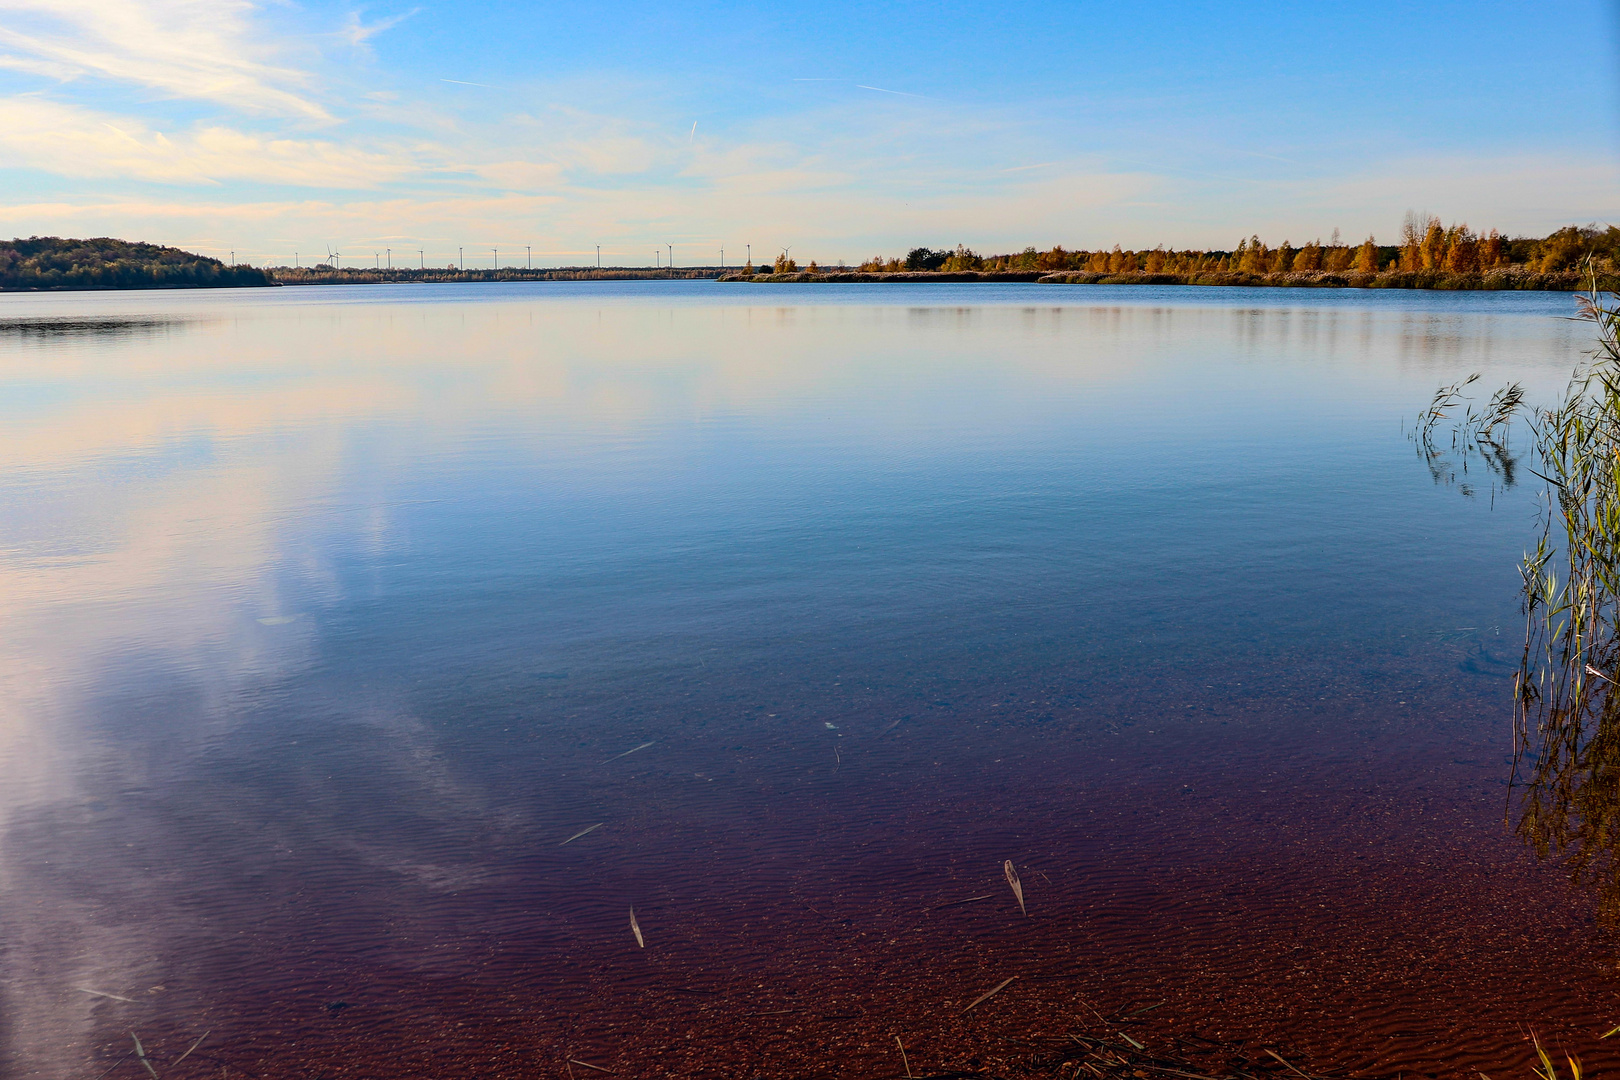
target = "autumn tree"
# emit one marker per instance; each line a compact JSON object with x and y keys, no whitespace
{"x":1283,"y":260}
{"x":1056,"y":259}
{"x":962,"y":259}
{"x":1414,"y":228}
{"x":1462,"y":250}
{"x":1367,"y":257}
{"x":1434,"y":245}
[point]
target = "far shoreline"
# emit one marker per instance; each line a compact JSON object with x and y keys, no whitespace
{"x":1507,"y":279}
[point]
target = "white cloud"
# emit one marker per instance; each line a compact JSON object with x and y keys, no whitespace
{"x":359,"y":34}
{"x":206,"y":50}
{"x":71,"y":141}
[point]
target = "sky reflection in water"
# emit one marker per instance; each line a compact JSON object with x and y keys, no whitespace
{"x":325,"y":616}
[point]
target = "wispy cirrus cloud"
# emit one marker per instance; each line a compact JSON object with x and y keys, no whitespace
{"x":204,"y":50}
{"x":359,"y":33}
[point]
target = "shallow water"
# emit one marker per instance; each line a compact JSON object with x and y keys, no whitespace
{"x":331,"y":618}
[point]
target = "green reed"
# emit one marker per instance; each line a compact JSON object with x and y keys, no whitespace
{"x":1565,"y":780}
{"x":1566,"y":714}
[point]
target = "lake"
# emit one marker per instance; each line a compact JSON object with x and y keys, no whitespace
{"x":368,"y":654}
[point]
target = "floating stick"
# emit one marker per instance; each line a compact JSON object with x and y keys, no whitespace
{"x":635,"y":928}
{"x":99,"y":993}
{"x":140,"y":1055}
{"x":1279,"y":1057}
{"x":588,"y":1065}
{"x":194,"y":1046}
{"x":628,"y":752}
{"x":953,"y":903}
{"x":582,"y":832}
{"x":903,"y":1060}
{"x":115,"y":1064}
{"x":1017,"y":886}
{"x":992,"y":992}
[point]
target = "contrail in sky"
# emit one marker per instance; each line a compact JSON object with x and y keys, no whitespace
{"x":880,"y":90}
{"x":458,"y":82}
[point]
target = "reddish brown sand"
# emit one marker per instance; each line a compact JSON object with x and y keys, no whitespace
{"x":1303,"y":901}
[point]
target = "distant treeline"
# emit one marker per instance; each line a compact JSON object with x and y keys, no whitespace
{"x":325,"y":274}
{"x":1429,"y":255}
{"x":50,"y":262}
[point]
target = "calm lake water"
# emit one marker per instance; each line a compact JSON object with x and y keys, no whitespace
{"x":367,"y":654}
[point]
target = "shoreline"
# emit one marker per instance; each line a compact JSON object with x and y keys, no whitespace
{"x":1497,"y":280}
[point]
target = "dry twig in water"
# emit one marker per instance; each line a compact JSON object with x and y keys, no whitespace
{"x":115,"y":1064}
{"x":140,"y":1055}
{"x":1279,"y":1057}
{"x":992,"y":992}
{"x":193,"y":1046}
{"x":628,"y":752}
{"x":635,"y":928}
{"x":588,"y":1065}
{"x":903,"y":1060}
{"x":1017,"y":886}
{"x":582,"y":832}
{"x":953,"y":903}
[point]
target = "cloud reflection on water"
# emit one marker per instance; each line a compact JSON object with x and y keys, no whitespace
{"x":175,"y":485}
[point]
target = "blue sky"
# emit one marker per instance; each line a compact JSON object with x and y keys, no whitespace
{"x":843,"y":130}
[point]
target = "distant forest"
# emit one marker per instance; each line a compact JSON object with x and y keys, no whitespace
{"x":50,"y":262}
{"x":1428,"y":255}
